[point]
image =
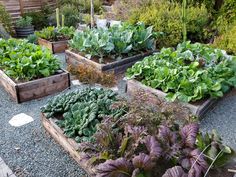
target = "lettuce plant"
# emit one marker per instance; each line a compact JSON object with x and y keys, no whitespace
{"x":191,"y":72}
{"x":24,"y":61}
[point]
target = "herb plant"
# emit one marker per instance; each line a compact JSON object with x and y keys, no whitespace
{"x":21,"y":60}
{"x":82,"y":110}
{"x":24,"y":22}
{"x":115,"y":42}
{"x":56,"y":34}
{"x":191,"y":72}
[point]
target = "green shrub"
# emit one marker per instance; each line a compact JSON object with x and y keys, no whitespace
{"x":5,"y":19}
{"x":227,"y":41}
{"x":82,"y":5}
{"x":40,"y":19}
{"x":71,"y":14}
{"x":166,"y":17}
{"x":24,"y":22}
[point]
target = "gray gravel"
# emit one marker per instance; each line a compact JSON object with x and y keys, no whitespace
{"x":30,"y":151}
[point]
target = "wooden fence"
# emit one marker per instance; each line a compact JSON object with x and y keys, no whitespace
{"x":16,"y":8}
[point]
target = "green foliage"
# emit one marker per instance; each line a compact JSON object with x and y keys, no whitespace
{"x":56,"y":34}
{"x":21,"y":60}
{"x":82,"y":110}
{"x":40,"y":19}
{"x":5,"y":19}
{"x":114,"y":42}
{"x":71,"y":14}
{"x":190,"y":73}
{"x":166,"y":17}
{"x":227,"y":41}
{"x":24,"y":22}
{"x":82,"y":5}
{"x":32,"y":39}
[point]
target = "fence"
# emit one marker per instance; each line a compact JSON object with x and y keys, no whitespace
{"x":16,"y":8}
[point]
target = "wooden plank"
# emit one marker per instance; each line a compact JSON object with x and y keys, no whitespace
{"x":8,"y":85}
{"x":39,"y":88}
{"x":118,"y":67}
{"x":68,"y":144}
{"x":55,"y":47}
{"x":198,"y":108}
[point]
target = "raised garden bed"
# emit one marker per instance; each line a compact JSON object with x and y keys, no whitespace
{"x":117,"y":67}
{"x":198,"y":108}
{"x":69,"y":144}
{"x":34,"y":89}
{"x":55,"y":47}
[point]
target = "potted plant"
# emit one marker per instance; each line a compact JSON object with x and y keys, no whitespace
{"x":24,"y":27}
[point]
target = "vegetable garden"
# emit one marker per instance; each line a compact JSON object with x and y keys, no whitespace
{"x":137,"y":109}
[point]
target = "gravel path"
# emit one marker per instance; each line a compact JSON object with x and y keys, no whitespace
{"x":29,"y":151}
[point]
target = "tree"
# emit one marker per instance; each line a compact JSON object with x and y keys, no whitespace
{"x":92,"y":13}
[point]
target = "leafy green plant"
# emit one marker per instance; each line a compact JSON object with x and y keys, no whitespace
{"x":5,"y":19}
{"x":24,"y":61}
{"x":227,"y":41}
{"x":56,"y":34}
{"x":82,"y":110}
{"x":71,"y":14}
{"x":40,"y":19}
{"x":115,"y":42}
{"x":32,"y":39}
{"x":24,"y":22}
{"x":166,"y":17}
{"x":191,"y":72}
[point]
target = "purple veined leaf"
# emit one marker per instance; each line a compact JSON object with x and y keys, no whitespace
{"x":166,"y":135}
{"x":176,"y":171}
{"x":153,"y":146}
{"x":136,"y":132}
{"x":115,"y":168}
{"x":143,"y":161}
{"x":189,"y":134}
{"x":195,"y":163}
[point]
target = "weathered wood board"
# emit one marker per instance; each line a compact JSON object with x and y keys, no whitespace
{"x":198,"y":108}
{"x":117,"y":67}
{"x":68,"y":144}
{"x":34,"y":89}
{"x":55,"y":47}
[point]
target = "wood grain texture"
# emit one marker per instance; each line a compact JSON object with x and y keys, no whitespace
{"x":35,"y":89}
{"x":68,"y":144}
{"x":117,"y":67}
{"x":55,"y":47}
{"x":198,"y":108}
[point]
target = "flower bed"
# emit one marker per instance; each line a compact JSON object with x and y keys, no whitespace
{"x":190,"y":74}
{"x":55,"y":39}
{"x":28,"y":72}
{"x":114,"y":49}
{"x":108,"y":136}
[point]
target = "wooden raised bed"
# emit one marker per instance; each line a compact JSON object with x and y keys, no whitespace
{"x":34,"y":89}
{"x":117,"y":67}
{"x":70,"y":145}
{"x":198,"y":108}
{"x":55,"y":47}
